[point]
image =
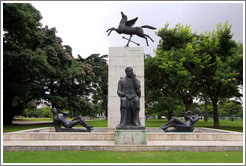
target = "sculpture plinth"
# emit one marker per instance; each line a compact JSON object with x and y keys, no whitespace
{"x":119,"y":59}
{"x":130,"y":137}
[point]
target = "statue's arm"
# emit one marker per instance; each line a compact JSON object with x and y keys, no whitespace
{"x":64,"y":113}
{"x":193,"y":120}
{"x":186,"y":113}
{"x":138,"y":86}
{"x":120,"y":91}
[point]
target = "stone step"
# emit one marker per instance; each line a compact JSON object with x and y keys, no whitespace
{"x":195,"y":137}
{"x":110,"y":146}
{"x":104,"y":134}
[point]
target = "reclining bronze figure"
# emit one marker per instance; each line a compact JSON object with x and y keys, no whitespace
{"x":60,"y":119}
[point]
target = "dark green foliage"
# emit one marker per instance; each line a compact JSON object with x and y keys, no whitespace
{"x":99,"y":82}
{"x":188,"y":65}
{"x":225,"y":74}
{"x":179,"y":56}
{"x":232,"y":109}
{"x":21,"y":37}
{"x":37,"y":65}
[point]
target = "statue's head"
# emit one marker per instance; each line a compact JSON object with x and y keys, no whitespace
{"x":53,"y":110}
{"x":129,"y":71}
{"x":198,"y":111}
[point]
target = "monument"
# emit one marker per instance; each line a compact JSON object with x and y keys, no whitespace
{"x":181,"y":126}
{"x":126,"y":111}
{"x":59,"y":120}
{"x":119,"y":59}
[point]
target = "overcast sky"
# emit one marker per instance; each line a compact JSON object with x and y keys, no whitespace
{"x":83,"y":25}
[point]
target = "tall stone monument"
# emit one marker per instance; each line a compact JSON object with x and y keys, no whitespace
{"x":119,"y":59}
{"x":130,"y":130}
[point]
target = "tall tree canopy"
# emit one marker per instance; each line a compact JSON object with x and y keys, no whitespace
{"x":99,"y":82}
{"x":187,"y":65}
{"x":37,"y":66}
{"x":225,"y":74}
{"x":180,"y":57}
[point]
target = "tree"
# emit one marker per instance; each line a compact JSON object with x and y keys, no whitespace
{"x":157,"y":100}
{"x":20,"y":53}
{"x":182,"y":62}
{"x":67,"y":84}
{"x":225,"y":73}
{"x":37,"y":65}
{"x":209,"y":63}
{"x":100,"y":81}
{"x":232,"y":109}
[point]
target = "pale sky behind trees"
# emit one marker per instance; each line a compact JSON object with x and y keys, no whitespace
{"x":82,"y":25}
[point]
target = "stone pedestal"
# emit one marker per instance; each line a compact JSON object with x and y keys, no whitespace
{"x":130,"y":137}
{"x":119,"y":59}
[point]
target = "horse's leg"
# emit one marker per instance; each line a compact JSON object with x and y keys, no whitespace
{"x":110,"y":30}
{"x":146,"y":41}
{"x":127,"y":45}
{"x":150,"y":38}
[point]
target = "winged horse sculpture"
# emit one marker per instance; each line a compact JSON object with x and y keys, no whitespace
{"x":126,"y":27}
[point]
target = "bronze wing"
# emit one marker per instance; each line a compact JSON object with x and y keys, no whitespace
{"x":131,"y":22}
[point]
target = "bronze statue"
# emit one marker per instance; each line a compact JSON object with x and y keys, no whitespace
{"x":60,"y":119}
{"x":181,"y":126}
{"x":129,"y":92}
{"x":126,"y":27}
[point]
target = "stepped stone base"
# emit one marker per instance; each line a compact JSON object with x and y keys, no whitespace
{"x":104,"y":139}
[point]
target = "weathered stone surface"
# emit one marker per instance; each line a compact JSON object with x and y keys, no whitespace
{"x":119,"y":59}
{"x":130,"y":137}
{"x":45,"y":139}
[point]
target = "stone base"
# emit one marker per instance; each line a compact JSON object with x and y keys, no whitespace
{"x":130,"y":137}
{"x":71,"y":130}
{"x":130,"y":127}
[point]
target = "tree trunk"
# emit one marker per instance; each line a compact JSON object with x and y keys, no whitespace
{"x":188,"y":105}
{"x":206,"y":111}
{"x":170,"y":113}
{"x":8,"y":114}
{"x":216,"y":117}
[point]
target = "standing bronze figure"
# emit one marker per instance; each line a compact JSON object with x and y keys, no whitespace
{"x":129,"y":92}
{"x":126,"y":27}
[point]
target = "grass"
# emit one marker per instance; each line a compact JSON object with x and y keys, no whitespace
{"x":122,"y":157}
{"x":224,"y":124}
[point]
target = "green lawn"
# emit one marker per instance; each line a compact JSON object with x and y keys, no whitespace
{"x":224,"y":124}
{"x":122,"y":157}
